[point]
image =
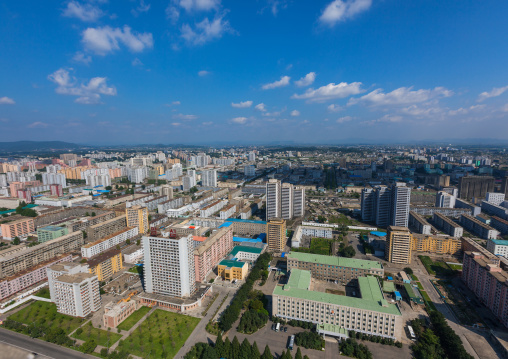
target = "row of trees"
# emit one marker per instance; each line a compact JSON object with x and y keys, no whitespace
{"x":450,"y":341}
{"x":374,"y":338}
{"x":53,"y":335}
{"x":294,"y":323}
{"x":27,"y":212}
{"x":233,"y":349}
{"x":309,"y":340}
{"x":352,"y":348}
{"x":231,"y":313}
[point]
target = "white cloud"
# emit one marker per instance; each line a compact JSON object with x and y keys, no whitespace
{"x":176,"y":124}
{"x":274,"y":114}
{"x":137,"y":62}
{"x":260,"y":107}
{"x":103,"y":40}
{"x":203,"y":73}
{"x":295,"y":113}
{"x":87,"y":93}
{"x":38,"y":124}
{"x":306,"y":80}
{"x":198,"y":5}
{"x":463,"y":111}
{"x":172,"y":13}
{"x":334,"y":108}
{"x":241,"y":104}
{"x":341,"y":10}
{"x":82,"y":58}
{"x":174,"y":103}
{"x":181,"y":116}
{"x":344,"y":119}
{"x":141,"y":8}
{"x":330,"y":92}
{"x":240,"y":120}
{"x":284,"y":81}
{"x":385,"y":118}
{"x":304,"y":122}
{"x":205,"y":30}
{"x":496,"y":91}
{"x":401,"y":96}
{"x":504,"y":108}
{"x":84,"y":12}
{"x":6,"y":101}
{"x":209,"y":123}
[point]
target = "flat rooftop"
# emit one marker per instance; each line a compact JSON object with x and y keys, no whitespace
{"x":246,"y":249}
{"x":74,"y":278}
{"x":372,"y":298}
{"x":51,"y":228}
{"x":229,"y":263}
{"x":244,"y":221}
{"x":334,"y":261}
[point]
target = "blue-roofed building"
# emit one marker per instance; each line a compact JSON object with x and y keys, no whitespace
{"x":247,"y":227}
{"x":499,"y":247}
{"x":48,"y":233}
{"x":241,"y":240}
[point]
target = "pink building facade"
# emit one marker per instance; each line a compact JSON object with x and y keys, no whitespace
{"x":488,"y":282}
{"x":12,"y":285}
{"x":56,"y":190}
{"x":211,"y":251}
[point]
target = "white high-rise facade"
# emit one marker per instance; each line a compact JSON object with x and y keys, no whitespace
{"x":137,"y":174}
{"x":209,"y":178}
{"x":445,"y":200}
{"x":386,"y":206}
{"x":272,"y":199}
{"x":400,"y":205}
{"x":98,"y":180}
{"x":251,"y":157}
{"x":495,"y":198}
{"x":188,"y":182}
{"x":284,"y":200}
{"x":249,"y":171}
{"x":169,"y":266}
{"x":54,"y":178}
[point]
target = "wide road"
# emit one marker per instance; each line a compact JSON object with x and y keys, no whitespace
{"x":39,"y":346}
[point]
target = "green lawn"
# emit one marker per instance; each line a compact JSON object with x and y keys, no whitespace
{"x":438,"y":267}
{"x":43,"y":293}
{"x":45,"y":313}
{"x":455,"y":266}
{"x":321,"y":246}
{"x":100,"y":336}
{"x":133,"y":318}
{"x":161,"y":335}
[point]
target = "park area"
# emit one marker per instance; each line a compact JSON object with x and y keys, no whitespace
{"x":438,"y":268}
{"x":317,"y":246}
{"x":102,"y":337}
{"x":161,"y":335}
{"x":133,"y":318}
{"x":463,"y":310}
{"x":44,"y":313}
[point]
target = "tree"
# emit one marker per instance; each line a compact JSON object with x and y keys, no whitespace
{"x":348,"y":252}
{"x":408,"y":270}
{"x":227,"y":348}
{"x":143,"y":186}
{"x":267,"y":354}
{"x":138,"y":242}
{"x":118,"y":246}
{"x":93,"y":214}
{"x":87,"y":214}
{"x":219,"y":346}
{"x":16,"y":241}
{"x":128,"y":241}
{"x":245,"y":349}
{"x":298,"y":354}
{"x":84,"y":234}
{"x":255,"y":354}
{"x":428,"y":346}
{"x":235,"y":348}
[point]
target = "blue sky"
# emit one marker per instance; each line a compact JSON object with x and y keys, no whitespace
{"x":203,"y":71}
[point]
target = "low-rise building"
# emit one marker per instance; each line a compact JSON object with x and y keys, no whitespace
{"x":500,"y":224}
{"x":133,"y":254}
{"x":436,"y":244}
{"x":247,"y":227}
{"x":499,"y":247}
{"x":447,"y":225}
{"x":227,"y":211}
{"x":419,"y":224}
{"x":232,"y":270}
{"x":115,"y":313}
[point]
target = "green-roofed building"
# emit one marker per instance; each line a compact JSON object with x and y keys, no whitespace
{"x":48,"y":233}
{"x":388,"y":287}
{"x":245,"y":252}
{"x":231,"y":270}
{"x":369,"y":314}
{"x":340,"y":269}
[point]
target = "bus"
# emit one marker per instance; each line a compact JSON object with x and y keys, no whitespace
{"x":411,"y":332}
{"x":277,"y":328}
{"x":291,"y":342}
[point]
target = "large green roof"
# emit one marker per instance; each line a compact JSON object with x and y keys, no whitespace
{"x":335,"y":261}
{"x":246,"y":249}
{"x":299,"y":279}
{"x":372,"y":297}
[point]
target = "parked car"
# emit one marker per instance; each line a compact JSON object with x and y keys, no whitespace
{"x":273,"y":326}
{"x":285,"y":329}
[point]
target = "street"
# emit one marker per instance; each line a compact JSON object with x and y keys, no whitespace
{"x":39,"y":346}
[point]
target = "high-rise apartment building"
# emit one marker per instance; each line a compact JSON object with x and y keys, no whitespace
{"x":386,"y":205}
{"x":273,"y":199}
{"x":398,"y":245}
{"x":188,"y":182}
{"x":74,"y":291}
{"x":400,"y":205}
{"x":169,"y":267}
{"x":284,"y":200}
{"x":209,"y":178}
{"x":475,"y":186}
{"x":54,"y":178}
{"x":166,"y":190}
{"x":56,"y":190}
{"x":137,"y":216}
{"x":276,"y":235}
{"x":495,"y":198}
{"x":251,"y":157}
{"x":504,"y":186}
{"x":445,"y":200}
{"x":249,"y":171}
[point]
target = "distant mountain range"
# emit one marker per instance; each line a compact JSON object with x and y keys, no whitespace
{"x":28,"y":146}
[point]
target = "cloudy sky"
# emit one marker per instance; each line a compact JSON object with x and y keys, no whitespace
{"x":203,"y":71}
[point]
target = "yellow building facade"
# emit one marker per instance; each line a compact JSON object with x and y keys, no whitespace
{"x":276,"y":235}
{"x":435,"y":244}
{"x":137,"y":216}
{"x":231,"y":270}
{"x":106,"y":264}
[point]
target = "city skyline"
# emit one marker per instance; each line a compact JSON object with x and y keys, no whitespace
{"x":212,"y":71}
